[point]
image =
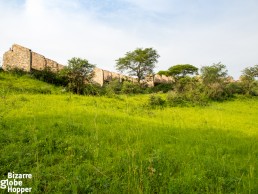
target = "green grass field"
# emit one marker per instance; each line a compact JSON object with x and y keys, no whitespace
{"x":85,"y":144}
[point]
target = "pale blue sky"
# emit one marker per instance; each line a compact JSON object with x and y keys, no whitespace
{"x":199,"y":32}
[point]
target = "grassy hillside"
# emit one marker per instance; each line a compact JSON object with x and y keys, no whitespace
{"x":77,"y":144}
{"x":11,"y":83}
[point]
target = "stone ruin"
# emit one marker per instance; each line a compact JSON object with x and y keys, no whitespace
{"x":25,"y":59}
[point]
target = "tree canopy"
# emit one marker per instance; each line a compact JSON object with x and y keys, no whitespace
{"x":162,"y":72}
{"x":79,"y":71}
{"x":215,"y":73}
{"x":181,"y":70}
{"x":251,"y":72}
{"x":139,"y":63}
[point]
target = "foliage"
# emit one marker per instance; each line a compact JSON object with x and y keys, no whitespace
{"x":213,"y":74}
{"x":254,"y":89}
{"x":251,"y":72}
{"x":218,"y":92}
{"x":79,"y":72}
{"x":131,"y":88}
{"x":16,"y":71}
{"x":248,"y":79}
{"x":51,"y":77}
{"x":113,"y":87}
{"x":214,"y":78}
{"x":166,"y":73}
{"x":184,"y":84}
{"x":139,"y":63}
{"x":182,"y":70}
{"x":93,"y":89}
{"x":156,"y":101}
{"x":235,"y":88}
{"x":162,"y":87}
{"x":189,"y":98}
{"x":11,"y":83}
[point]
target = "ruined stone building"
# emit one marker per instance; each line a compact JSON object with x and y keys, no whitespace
{"x":27,"y":60}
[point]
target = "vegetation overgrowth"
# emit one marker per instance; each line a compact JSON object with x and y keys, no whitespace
{"x":124,"y":143}
{"x":20,"y":82}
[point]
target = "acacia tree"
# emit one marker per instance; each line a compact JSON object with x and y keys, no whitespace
{"x":79,"y":72}
{"x":248,"y":79}
{"x":215,"y":73}
{"x":139,"y":62}
{"x":214,"y":79}
{"x":251,"y":72}
{"x":182,"y":70}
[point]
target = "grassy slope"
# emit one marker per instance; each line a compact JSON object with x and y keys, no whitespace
{"x":10,"y":83}
{"x":117,"y":145}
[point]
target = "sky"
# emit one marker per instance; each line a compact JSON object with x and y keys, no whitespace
{"x":196,"y":32}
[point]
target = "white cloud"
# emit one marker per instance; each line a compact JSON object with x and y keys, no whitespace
{"x":199,"y":33}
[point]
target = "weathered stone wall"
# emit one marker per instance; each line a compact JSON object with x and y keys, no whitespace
{"x":23,"y":58}
{"x":54,"y":66}
{"x":17,"y":57}
{"x":38,"y":61}
{"x":98,"y":76}
{"x":107,"y":76}
{"x":116,"y":76}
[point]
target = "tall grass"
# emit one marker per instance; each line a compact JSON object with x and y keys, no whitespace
{"x":14,"y":83}
{"x":76,"y":144}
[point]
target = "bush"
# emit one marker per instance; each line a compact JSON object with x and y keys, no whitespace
{"x":235,"y":88}
{"x":113,"y":87}
{"x":16,"y":71}
{"x":48,"y":76}
{"x":189,"y":98}
{"x":254,"y":89}
{"x":155,"y":101}
{"x":131,"y":88}
{"x":218,"y":92}
{"x":164,"y":87}
{"x":93,"y":89}
{"x":176,"y":99}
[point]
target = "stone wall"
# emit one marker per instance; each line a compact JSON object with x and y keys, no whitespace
{"x":17,"y":57}
{"x":38,"y":61}
{"x":23,"y":58}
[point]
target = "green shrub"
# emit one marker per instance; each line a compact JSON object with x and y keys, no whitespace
{"x":176,"y":99}
{"x":254,"y":89}
{"x":155,"y":101}
{"x":48,"y":76}
{"x":235,"y":88}
{"x":164,"y":87}
{"x":113,"y":87}
{"x":189,"y":98}
{"x":131,"y":88}
{"x":16,"y":71}
{"x":218,"y":92}
{"x":92,"y":89}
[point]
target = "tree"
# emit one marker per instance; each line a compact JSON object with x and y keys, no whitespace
{"x":139,"y":62}
{"x":248,"y":79}
{"x":79,"y":72}
{"x":162,"y":72}
{"x":216,"y":73}
{"x":214,"y":79}
{"x":180,"y":71}
{"x":251,"y":72}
